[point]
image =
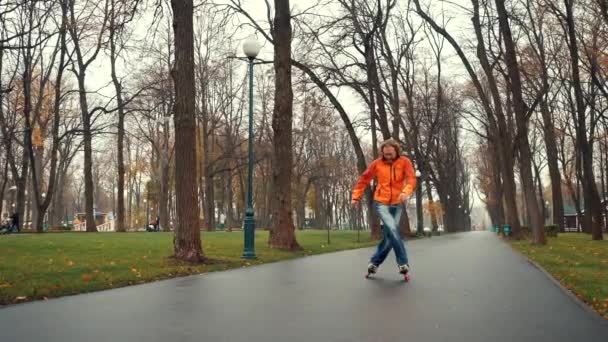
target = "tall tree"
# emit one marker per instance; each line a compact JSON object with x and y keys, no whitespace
{"x":187,"y":241}
{"x":119,"y":15}
{"x":521,"y":118}
{"x":78,"y":29}
{"x":538,"y":39}
{"x":584,"y":146}
{"x":282,"y":233}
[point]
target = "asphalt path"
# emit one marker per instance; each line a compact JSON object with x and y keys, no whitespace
{"x":466,"y":287}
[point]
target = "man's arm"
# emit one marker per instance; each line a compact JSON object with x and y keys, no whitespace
{"x":364,"y":181}
{"x":410,"y":178}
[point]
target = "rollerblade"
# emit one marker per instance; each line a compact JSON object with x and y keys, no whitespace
{"x":405,"y":271}
{"x":371,"y":269}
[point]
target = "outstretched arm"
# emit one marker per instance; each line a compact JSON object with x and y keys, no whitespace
{"x":364,"y":181}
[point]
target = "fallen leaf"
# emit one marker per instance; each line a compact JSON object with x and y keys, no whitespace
{"x":86,"y":277}
{"x":5,"y":286}
{"x":21,"y":298}
{"x":70,"y":263}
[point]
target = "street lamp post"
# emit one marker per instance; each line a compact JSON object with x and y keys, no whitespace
{"x":13,"y":191}
{"x":45,"y":213}
{"x":251,"y":48}
{"x":419,"y":217}
{"x":147,"y":213}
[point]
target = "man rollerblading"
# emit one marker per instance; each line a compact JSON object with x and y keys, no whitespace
{"x":395,"y":182}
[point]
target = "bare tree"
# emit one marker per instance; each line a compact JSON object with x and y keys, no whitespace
{"x":120,"y":15}
{"x":187,"y":242}
{"x":521,"y":116}
{"x":584,"y":145}
{"x":282,"y":233}
{"x":78,"y":27}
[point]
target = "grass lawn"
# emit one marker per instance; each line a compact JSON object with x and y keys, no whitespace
{"x":579,"y":263}
{"x":38,"y":266}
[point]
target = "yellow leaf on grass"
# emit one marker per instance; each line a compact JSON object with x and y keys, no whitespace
{"x":70,"y":263}
{"x":5,"y":286}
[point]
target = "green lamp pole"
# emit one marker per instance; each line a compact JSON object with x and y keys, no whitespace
{"x":251,"y":48}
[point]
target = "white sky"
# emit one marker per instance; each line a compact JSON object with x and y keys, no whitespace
{"x":99,"y":74}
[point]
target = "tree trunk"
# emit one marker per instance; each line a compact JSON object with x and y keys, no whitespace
{"x":37,"y":214}
{"x":405,"y":230}
{"x":282,"y":234}
{"x":300,"y":213}
{"x":539,"y":184}
{"x":522,"y":130}
{"x":497,"y":187}
{"x":419,"y":212}
{"x":187,"y":240}
{"x":551,"y":147}
{"x":592,"y":198}
{"x":231,"y":220}
{"x":88,"y":156}
{"x":59,"y":209}
{"x":120,"y":205}
{"x":209,"y":202}
{"x":164,"y":191}
{"x":376,"y":90}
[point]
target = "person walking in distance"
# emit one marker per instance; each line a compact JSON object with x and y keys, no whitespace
{"x":395,"y":182}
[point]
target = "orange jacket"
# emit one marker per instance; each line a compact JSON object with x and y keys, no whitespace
{"x":392,"y":180}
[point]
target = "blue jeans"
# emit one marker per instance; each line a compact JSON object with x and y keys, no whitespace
{"x":390,"y":215}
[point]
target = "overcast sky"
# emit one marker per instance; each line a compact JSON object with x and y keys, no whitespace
{"x":458,"y":26}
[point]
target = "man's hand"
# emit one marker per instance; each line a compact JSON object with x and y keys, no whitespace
{"x":403,"y":198}
{"x":355,"y":204}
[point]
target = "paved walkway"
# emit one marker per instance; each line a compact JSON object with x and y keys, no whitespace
{"x":465,"y":287}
